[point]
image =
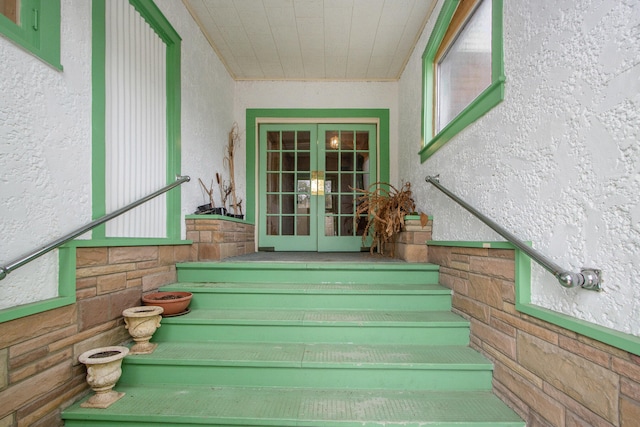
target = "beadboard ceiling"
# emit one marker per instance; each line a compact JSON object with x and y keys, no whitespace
{"x":361,"y":40}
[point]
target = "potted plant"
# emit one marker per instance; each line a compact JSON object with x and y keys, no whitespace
{"x":383,"y":208}
{"x":104,"y":368}
{"x":142,"y":322}
{"x":174,"y":303}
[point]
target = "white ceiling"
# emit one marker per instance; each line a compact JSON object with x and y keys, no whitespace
{"x":312,"y":39}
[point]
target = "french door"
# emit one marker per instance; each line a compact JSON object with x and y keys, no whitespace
{"x":308,"y":176}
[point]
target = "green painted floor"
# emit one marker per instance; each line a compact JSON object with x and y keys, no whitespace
{"x":315,"y":355}
{"x":238,"y":406}
{"x":315,"y":340}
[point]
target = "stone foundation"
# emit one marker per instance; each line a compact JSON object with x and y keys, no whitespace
{"x":551,"y":376}
{"x":217,"y":237}
{"x":39,"y":368}
{"x":411,"y":243}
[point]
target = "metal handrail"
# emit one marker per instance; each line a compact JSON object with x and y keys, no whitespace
{"x":19,"y":262}
{"x":588,"y":278}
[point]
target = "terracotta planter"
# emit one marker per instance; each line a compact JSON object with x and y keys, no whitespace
{"x":142,"y":322}
{"x":104,"y":367}
{"x":173,"y":303}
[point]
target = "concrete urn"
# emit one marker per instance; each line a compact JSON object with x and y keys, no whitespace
{"x":104,"y":368}
{"x":142,"y":322}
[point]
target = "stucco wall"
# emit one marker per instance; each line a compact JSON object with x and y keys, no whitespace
{"x":207,"y":108}
{"x":45,"y":140}
{"x":45,"y":145}
{"x":297,"y":94}
{"x":558,"y":162}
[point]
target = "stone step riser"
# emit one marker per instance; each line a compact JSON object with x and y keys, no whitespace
{"x":313,"y":334}
{"x":213,"y":300}
{"x":317,"y":274}
{"x":442,"y":378}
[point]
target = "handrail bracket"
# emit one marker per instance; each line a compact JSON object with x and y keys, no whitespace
{"x":587,"y":278}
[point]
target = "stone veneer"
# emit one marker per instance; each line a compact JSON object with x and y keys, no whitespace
{"x":551,"y":376}
{"x":410,"y":243}
{"x":39,"y":368}
{"x":215,"y":237}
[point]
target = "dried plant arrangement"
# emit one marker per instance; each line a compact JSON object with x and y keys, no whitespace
{"x":384,"y":207}
{"x":234,"y":139}
{"x":209,"y":191}
{"x":225,"y":189}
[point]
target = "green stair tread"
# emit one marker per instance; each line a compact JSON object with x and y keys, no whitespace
{"x":312,"y":289}
{"x":362,"y":318}
{"x":315,"y":356}
{"x":294,"y":265}
{"x":175,"y":405}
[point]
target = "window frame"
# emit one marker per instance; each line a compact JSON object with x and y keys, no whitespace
{"x":489,"y":98}
{"x":42,"y":37}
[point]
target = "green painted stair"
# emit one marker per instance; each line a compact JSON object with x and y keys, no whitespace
{"x":409,"y":367}
{"x":368,"y":344}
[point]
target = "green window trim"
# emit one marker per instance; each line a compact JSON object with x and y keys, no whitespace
{"x":254,"y":115}
{"x":66,"y":289}
{"x":489,"y":98}
{"x":156,"y":20}
{"x":621,"y":340}
{"x":39,"y":29}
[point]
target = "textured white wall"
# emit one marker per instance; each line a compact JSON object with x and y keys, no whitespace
{"x":45,"y":145}
{"x":558,"y":162}
{"x":207,"y":107}
{"x":296,"y":94}
{"x":45,"y":140}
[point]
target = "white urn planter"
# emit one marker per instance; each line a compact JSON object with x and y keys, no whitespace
{"x":104,"y":368}
{"x":142,"y":323}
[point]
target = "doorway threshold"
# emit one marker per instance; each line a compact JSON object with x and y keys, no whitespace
{"x":335,"y":257}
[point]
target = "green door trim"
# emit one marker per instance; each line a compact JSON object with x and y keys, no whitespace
{"x":163,"y":28}
{"x":355,"y":115}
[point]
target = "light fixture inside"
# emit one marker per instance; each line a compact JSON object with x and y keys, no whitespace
{"x":334,"y":142}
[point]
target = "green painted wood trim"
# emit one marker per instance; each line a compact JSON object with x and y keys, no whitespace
{"x":39,"y":29}
{"x":382,"y":115}
{"x":154,"y":17}
{"x":627,"y":342}
{"x":488,"y":99}
{"x":413,"y":217}
{"x":163,"y":28}
{"x":66,"y":289}
{"x":123,"y":241}
{"x":621,"y":340}
{"x":98,"y":111}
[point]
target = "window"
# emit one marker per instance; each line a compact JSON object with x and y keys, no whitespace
{"x":34,"y":25}
{"x":463,"y":73}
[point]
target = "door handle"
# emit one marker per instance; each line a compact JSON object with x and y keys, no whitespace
{"x":317,"y":183}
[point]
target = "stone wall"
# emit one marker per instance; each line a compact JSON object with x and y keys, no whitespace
{"x":215,"y":237}
{"x":549,"y":375}
{"x":410,"y":243}
{"x":39,"y":369}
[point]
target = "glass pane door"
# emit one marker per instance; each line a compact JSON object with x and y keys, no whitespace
{"x":308,"y":175}
{"x":288,"y":211}
{"x":347,"y":156}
